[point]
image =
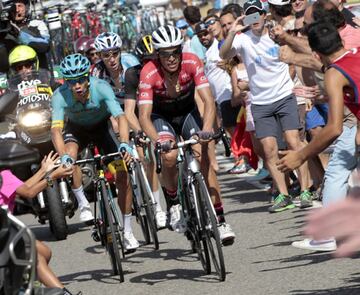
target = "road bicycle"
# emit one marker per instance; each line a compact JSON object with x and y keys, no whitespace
{"x":108,"y":228}
{"x":197,"y":207}
{"x":144,"y":203}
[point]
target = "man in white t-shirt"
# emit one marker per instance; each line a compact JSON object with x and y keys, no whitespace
{"x":271,"y":95}
{"x":219,"y":79}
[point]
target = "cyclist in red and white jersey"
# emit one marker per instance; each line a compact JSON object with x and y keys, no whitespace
{"x":167,"y":108}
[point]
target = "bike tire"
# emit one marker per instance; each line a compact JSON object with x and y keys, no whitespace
{"x":112,"y":243}
{"x":212,"y":233}
{"x":196,"y":229}
{"x":141,"y":218}
{"x":149,"y":208}
{"x":57,"y":218}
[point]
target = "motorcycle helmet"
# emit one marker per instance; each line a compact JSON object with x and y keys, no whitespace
{"x":74,"y":66}
{"x":80,"y":44}
{"x":23,"y":55}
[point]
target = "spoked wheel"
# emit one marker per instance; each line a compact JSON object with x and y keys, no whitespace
{"x":112,"y":235}
{"x":141,"y":217}
{"x":196,"y":236}
{"x":149,"y":208}
{"x":211,"y":232}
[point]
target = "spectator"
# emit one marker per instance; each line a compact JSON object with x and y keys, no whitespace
{"x":234,"y":8}
{"x":193,"y":16}
{"x":183,"y":26}
{"x":348,"y":15}
{"x":271,"y":87}
{"x":212,"y":21}
{"x":227,"y":18}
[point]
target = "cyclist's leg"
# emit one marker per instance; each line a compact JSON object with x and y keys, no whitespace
{"x":72,"y":140}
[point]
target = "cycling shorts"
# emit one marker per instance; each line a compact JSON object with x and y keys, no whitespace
{"x":101,"y":134}
{"x":186,"y":125}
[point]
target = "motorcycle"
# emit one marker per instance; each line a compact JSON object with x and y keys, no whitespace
{"x":31,"y":123}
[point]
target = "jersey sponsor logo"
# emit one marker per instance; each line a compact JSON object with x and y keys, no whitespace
{"x":143,"y":85}
{"x":199,"y":70}
{"x":33,"y":98}
{"x":189,"y":61}
{"x":144,"y":94}
{"x":203,"y":79}
{"x":149,"y":75}
{"x":184,"y":76}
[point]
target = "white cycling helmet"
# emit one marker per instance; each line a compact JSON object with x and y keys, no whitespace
{"x":167,"y":36}
{"x":106,"y":41}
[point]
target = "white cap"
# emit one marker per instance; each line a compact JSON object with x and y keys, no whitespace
{"x":279,"y":2}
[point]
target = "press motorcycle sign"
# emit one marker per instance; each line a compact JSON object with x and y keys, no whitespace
{"x":33,"y":92}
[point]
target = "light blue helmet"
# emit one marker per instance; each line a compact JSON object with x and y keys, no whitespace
{"x":74,"y":65}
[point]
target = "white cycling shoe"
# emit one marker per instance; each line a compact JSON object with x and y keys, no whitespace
{"x":227,"y":236}
{"x":160,"y":219}
{"x":130,"y":242}
{"x":86,"y":214}
{"x":176,"y":219}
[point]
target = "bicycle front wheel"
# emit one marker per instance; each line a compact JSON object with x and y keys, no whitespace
{"x":148,"y":205}
{"x":111,"y":241}
{"x":211,"y":225}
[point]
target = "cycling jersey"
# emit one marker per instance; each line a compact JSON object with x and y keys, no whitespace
{"x":100,"y":104}
{"x":132,"y":77}
{"x":127,"y":61}
{"x":348,"y":65}
{"x":152,"y":88}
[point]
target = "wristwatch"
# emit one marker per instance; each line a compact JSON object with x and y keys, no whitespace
{"x":49,"y":181}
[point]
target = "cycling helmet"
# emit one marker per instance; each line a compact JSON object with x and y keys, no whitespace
{"x":21,"y":54}
{"x":74,"y":65}
{"x":167,"y":36}
{"x":89,"y":45}
{"x":80,"y":43}
{"x":107,"y":41}
{"x":144,"y":47}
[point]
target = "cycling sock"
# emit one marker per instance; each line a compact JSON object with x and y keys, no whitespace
{"x":127,"y":223}
{"x":172,"y":197}
{"x":219,"y":209}
{"x":157,"y":200}
{"x":80,"y":196}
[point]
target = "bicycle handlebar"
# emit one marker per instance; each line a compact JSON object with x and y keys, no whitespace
{"x":192,"y":141}
{"x":100,"y":158}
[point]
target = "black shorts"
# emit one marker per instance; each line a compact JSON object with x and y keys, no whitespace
{"x":101,"y":134}
{"x":186,"y":125}
{"x":229,"y":114}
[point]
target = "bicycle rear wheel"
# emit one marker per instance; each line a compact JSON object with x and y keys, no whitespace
{"x":211,"y":228}
{"x":148,"y":205}
{"x":112,"y":243}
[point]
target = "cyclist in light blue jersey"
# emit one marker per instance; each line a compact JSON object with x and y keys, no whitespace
{"x":88,"y":103}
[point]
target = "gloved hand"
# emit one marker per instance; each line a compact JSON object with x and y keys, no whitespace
{"x":128,"y":149}
{"x":67,"y":160}
{"x":140,"y":138}
{"x":205,"y":135}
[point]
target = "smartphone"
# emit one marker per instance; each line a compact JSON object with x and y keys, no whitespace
{"x":251,"y":19}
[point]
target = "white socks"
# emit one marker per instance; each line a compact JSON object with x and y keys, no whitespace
{"x":157,"y":200}
{"x":80,"y":197}
{"x":127,"y":223}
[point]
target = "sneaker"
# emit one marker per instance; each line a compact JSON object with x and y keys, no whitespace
{"x":314,"y":245}
{"x":176,"y":220}
{"x":239,"y":168}
{"x":281,"y":203}
{"x":160,"y":219}
{"x":306,"y":199}
{"x":86,"y":214}
{"x":227,"y":236}
{"x":260,"y":174}
{"x":130,"y":242}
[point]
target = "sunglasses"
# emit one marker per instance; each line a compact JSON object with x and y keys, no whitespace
{"x":80,"y":80}
{"x":210,"y":22}
{"x":109,"y":54}
{"x":26,"y":65}
{"x":174,"y":53}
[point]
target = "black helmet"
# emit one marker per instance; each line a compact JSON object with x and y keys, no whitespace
{"x":144,"y":48}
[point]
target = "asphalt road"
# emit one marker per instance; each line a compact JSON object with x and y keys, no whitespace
{"x":260,"y":262}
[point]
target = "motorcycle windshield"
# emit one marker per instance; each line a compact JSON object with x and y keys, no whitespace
{"x":33,"y":111}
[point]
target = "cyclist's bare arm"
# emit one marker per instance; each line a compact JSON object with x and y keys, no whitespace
{"x":58,"y":140}
{"x":209,"y":108}
{"x":130,"y":105}
{"x":145,"y":111}
{"x":123,"y":128}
